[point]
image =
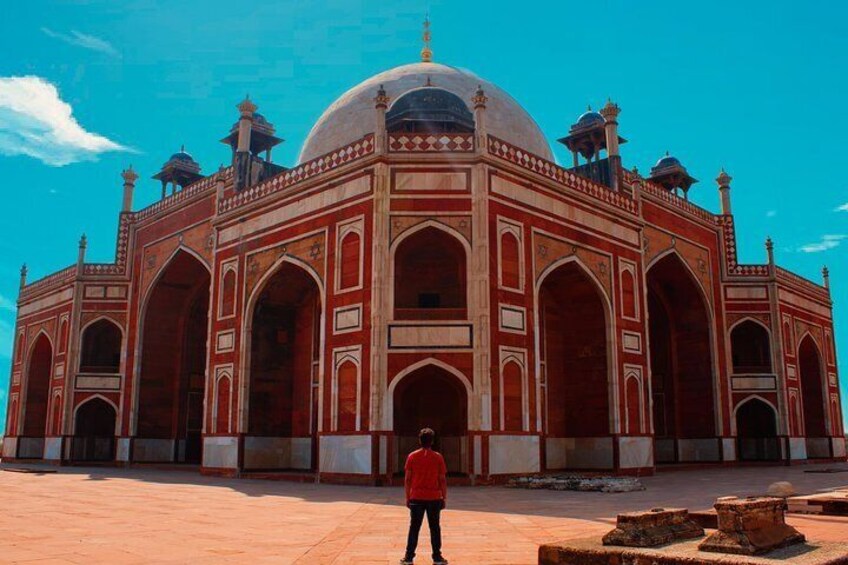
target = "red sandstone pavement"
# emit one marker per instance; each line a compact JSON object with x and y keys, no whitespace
{"x":87,"y":515}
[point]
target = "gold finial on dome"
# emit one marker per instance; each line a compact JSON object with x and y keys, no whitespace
{"x":426,"y":52}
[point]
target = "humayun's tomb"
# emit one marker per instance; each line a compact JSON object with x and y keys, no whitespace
{"x":426,"y":262}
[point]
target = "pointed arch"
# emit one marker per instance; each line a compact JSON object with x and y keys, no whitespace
{"x":388,"y":399}
{"x":756,"y":425}
{"x":814,"y":403}
{"x":686,"y":395}
{"x":171,"y":361}
{"x":36,"y":387}
{"x":95,"y":425}
{"x":750,"y":346}
{"x":247,"y":338}
{"x":101,"y":352}
{"x":422,"y":297}
{"x":612,"y":378}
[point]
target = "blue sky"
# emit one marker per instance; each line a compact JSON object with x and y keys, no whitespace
{"x":755,"y":87}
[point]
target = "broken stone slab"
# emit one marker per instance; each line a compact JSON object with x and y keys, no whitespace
{"x":590,"y":551}
{"x":651,"y":528}
{"x":751,"y":526}
{"x":578,"y":483}
{"x":707,"y":519}
{"x":833,"y":503}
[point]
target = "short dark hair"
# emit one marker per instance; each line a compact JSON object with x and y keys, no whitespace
{"x":425,"y":437}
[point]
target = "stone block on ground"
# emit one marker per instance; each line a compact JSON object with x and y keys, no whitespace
{"x":653,"y":527}
{"x":751,"y":526}
{"x":590,"y":551}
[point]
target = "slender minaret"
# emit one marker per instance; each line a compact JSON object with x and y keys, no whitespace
{"x":610,"y":113}
{"x":129,"y":176}
{"x":826,"y":277}
{"x":23,"y":275}
{"x":770,"y":254}
{"x":83,"y":243}
{"x":479,"y":100}
{"x":241,"y":159}
{"x":723,"y":181}
{"x":381,"y":104}
{"x":426,"y":52}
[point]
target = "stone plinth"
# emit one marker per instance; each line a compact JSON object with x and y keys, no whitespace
{"x":590,"y":551}
{"x":652,"y":528}
{"x":751,"y":527}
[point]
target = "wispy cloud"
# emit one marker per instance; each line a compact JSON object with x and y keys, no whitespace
{"x":842,"y":208}
{"x":35,"y":121}
{"x":7,"y":304}
{"x":771,"y":213}
{"x":6,"y":332}
{"x":825,"y":243}
{"x":83,"y":40}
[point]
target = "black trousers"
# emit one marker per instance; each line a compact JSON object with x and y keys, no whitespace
{"x":417,"y":509}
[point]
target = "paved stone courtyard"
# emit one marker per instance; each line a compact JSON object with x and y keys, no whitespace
{"x":87,"y":515}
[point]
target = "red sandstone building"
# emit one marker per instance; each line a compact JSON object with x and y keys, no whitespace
{"x":425,"y":263}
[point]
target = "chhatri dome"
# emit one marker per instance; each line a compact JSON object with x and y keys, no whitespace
{"x":352,"y":115}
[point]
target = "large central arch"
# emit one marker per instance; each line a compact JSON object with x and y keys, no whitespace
{"x":284,"y":345}
{"x":434,"y":395}
{"x":172,"y":373}
{"x":575,"y":364}
{"x":681,"y":360}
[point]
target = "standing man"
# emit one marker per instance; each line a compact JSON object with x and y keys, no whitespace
{"x":425,"y":479}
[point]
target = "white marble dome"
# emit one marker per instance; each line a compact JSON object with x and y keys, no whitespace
{"x":352,"y":115}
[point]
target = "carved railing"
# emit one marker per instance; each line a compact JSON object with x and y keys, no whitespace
{"x":805,"y":283}
{"x":431,"y":143}
{"x":332,"y":160}
{"x":564,"y":177}
{"x":668,"y":197}
{"x":191,"y":190}
{"x":49,"y":282}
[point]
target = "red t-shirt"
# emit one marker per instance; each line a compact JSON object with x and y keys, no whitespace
{"x":426,"y":466}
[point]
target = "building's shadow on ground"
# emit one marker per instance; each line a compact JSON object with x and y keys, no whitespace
{"x":681,"y":488}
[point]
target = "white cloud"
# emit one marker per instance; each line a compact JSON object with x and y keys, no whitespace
{"x":826,"y":242}
{"x":842,"y":208}
{"x":771,"y":213}
{"x":35,"y":121}
{"x":83,"y":40}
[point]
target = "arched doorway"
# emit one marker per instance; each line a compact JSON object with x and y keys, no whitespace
{"x":173,"y":364}
{"x":681,"y":365}
{"x":750,"y":348}
{"x":430,"y":277}
{"x":94,"y":431}
{"x":101,"y":348}
{"x":756,"y":431}
{"x":285,"y":352}
{"x":813,"y":399}
{"x":575,"y":365}
{"x":432,"y":397}
{"x":36,"y":402}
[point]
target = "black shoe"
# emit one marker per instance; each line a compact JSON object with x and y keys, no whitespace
{"x":440,"y":561}
{"x":406,"y":561}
